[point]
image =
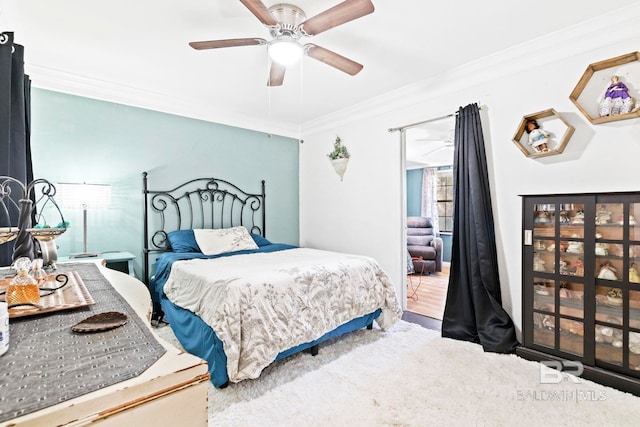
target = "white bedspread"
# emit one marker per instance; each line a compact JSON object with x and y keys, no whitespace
{"x":264,"y":303}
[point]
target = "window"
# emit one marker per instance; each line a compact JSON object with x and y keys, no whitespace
{"x":445,"y":200}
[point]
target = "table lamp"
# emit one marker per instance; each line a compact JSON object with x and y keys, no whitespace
{"x":85,"y":196}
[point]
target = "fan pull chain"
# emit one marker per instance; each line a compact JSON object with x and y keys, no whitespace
{"x":301,"y":100}
{"x":268,"y":87}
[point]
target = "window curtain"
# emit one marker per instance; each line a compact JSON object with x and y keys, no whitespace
{"x":473,"y":310}
{"x":15,"y":147}
{"x":430,"y":197}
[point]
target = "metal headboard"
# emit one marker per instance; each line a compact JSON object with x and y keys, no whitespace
{"x":198,"y":203}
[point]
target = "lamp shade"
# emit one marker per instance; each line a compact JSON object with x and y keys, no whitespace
{"x":285,"y":51}
{"x":83,"y":195}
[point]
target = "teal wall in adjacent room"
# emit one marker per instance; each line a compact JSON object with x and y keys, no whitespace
{"x":414,"y":207}
{"x":414,"y":192}
{"x":76,"y":139}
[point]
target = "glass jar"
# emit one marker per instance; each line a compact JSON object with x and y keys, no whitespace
{"x":37,"y":272}
{"x":23,"y":288}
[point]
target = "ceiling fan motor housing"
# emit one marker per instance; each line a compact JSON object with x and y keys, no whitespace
{"x":289,"y":18}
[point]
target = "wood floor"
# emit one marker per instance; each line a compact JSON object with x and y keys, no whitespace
{"x":426,"y":295}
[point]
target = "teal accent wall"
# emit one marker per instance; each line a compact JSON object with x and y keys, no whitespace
{"x":76,"y":139}
{"x":446,"y":246}
{"x":414,"y":207}
{"x":414,"y":192}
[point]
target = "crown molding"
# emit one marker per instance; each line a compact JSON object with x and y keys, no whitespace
{"x":600,"y":32}
{"x":74,"y":84}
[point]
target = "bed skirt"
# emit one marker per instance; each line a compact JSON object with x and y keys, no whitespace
{"x":199,"y":339}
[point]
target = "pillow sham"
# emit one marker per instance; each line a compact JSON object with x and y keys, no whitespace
{"x":223,"y":240}
{"x":260,"y":241}
{"x":183,"y":241}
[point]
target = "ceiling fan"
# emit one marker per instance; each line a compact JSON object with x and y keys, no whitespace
{"x":287,"y":24}
{"x":443,"y":143}
{"x":442,"y":147}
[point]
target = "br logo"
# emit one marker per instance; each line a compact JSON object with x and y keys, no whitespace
{"x":554,"y":372}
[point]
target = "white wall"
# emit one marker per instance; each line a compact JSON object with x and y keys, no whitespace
{"x":363,"y":213}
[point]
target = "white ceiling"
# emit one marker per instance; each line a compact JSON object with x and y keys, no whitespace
{"x":138,"y":49}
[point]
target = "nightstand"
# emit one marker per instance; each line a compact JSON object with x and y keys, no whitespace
{"x":121,"y":261}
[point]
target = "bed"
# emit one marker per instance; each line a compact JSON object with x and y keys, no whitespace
{"x":240,"y":301}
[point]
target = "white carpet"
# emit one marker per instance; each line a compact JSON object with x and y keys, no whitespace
{"x":410,"y":376}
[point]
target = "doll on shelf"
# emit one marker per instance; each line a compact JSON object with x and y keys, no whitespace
{"x":616,"y":99}
{"x":577,"y":328}
{"x":564,"y":291}
{"x":578,"y":218}
{"x":542,"y":217}
{"x":578,"y":268}
{"x":538,"y":138}
{"x":607,"y":271}
{"x":575,"y":247}
{"x":563,"y":266}
{"x":602,"y":249}
{"x":548,"y":323}
{"x":634,"y":277}
{"x":603,"y":216}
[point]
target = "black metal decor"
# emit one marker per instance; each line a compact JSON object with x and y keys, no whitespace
{"x":23,"y":231}
{"x":23,"y":246}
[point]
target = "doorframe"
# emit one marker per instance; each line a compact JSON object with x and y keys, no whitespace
{"x":403,"y":216}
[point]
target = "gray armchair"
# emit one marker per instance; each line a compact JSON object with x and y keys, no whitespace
{"x":423,"y":245}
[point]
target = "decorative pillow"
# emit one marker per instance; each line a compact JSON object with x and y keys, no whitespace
{"x":260,"y":241}
{"x":183,"y":241}
{"x":214,"y":242}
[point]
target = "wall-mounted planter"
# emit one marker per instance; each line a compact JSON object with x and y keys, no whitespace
{"x":340,"y":165}
{"x":590,"y":90}
{"x":560,"y":132}
{"x":339,"y":157}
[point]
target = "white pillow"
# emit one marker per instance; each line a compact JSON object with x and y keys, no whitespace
{"x":223,"y":240}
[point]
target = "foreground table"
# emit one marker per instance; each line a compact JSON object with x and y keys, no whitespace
{"x":173,"y":391}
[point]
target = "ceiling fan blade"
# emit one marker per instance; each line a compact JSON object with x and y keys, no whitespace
{"x":446,"y":141}
{"x":276,"y":74}
{"x":442,"y":147}
{"x":216,"y":44}
{"x":260,"y":11}
{"x":333,"y":59}
{"x":337,"y":15}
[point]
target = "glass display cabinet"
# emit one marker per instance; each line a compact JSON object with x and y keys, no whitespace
{"x":581,"y":284}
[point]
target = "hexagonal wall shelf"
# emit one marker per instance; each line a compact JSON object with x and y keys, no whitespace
{"x":559,"y":130}
{"x":590,"y":90}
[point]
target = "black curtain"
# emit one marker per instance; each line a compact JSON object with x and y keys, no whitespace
{"x":473,"y":311}
{"x":15,"y":146}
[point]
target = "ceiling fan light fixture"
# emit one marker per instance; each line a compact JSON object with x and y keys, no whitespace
{"x":285,"y":51}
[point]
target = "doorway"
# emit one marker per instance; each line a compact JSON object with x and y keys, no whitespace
{"x":429,"y":151}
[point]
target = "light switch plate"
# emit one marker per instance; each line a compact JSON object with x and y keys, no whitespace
{"x":528,"y":237}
